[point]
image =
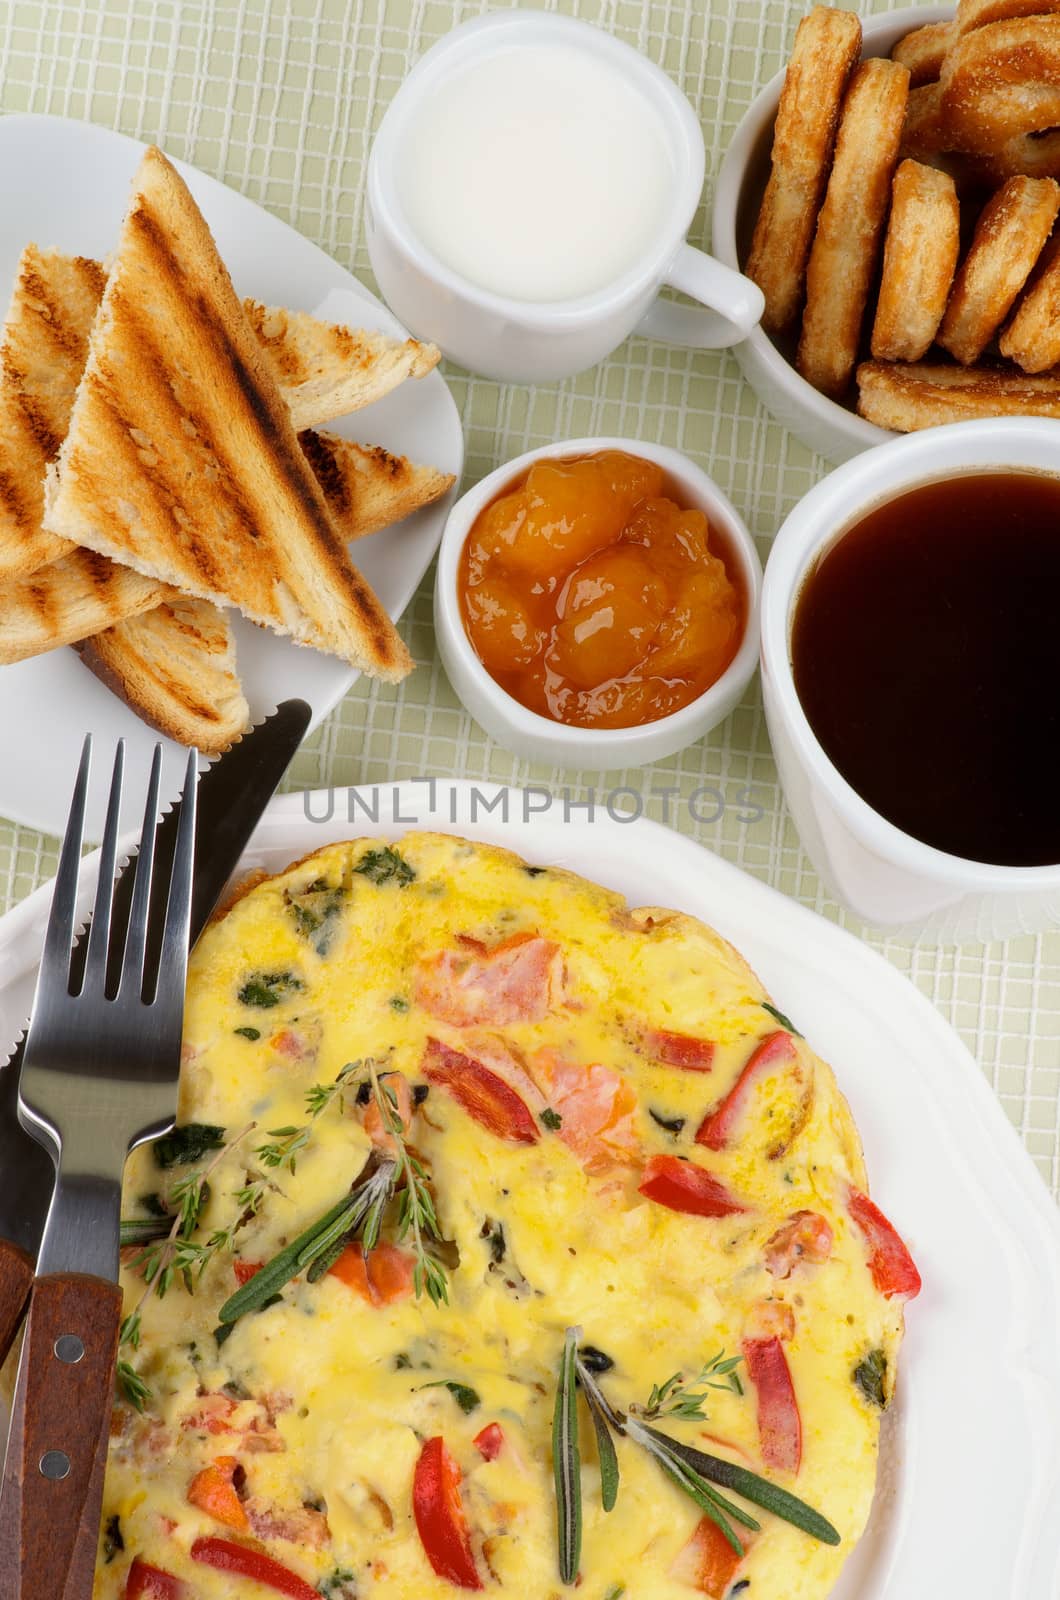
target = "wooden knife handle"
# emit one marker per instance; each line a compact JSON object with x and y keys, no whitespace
{"x":53,"y":1476}
{"x":16,"y":1279}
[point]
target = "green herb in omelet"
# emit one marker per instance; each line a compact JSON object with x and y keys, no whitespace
{"x":316,"y":910}
{"x":778,"y":1016}
{"x":187,"y":1144}
{"x":870,"y":1375}
{"x":466,"y":1398}
{"x":386,"y":866}
{"x":266,"y":989}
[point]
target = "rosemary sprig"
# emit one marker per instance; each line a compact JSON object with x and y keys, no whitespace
{"x":684,"y":1398}
{"x":778,"y":1016}
{"x":359,"y":1211}
{"x":696,"y":1473}
{"x":714,"y":1505}
{"x":566,"y":1461}
{"x":605,"y":1449}
{"x":140,"y":1231}
{"x":752,"y":1487}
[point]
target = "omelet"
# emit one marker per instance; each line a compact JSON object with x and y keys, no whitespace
{"x":438,"y":1107}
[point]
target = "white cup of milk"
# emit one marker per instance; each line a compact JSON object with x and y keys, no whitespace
{"x":529,"y":193}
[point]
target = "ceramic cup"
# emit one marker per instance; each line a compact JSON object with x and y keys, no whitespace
{"x":835,"y":431}
{"x":882,"y":874}
{"x":531,"y":341}
{"x":603,"y":749}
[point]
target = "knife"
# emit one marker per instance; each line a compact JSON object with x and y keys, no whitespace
{"x":232,"y":795}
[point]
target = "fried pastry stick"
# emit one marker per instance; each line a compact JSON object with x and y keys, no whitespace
{"x":850,"y":226}
{"x":919,"y":260}
{"x":1009,"y":238}
{"x":826,"y":47}
{"x":905,"y":397}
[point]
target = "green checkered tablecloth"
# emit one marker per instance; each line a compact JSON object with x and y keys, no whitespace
{"x":280,"y":100}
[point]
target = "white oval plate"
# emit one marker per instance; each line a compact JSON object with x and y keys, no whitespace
{"x":66,"y":184}
{"x":970,"y":1464}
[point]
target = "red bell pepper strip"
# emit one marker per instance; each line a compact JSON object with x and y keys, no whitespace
{"x":224,"y":1555}
{"x":440,"y":1516}
{"x":893,"y":1268}
{"x":245,"y":1270}
{"x":708,"y":1561}
{"x":679,"y":1049}
{"x":145,"y":1582}
{"x":483,"y":1094}
{"x":779,"y":1423}
{"x":719,"y":1126}
{"x":682,"y":1186}
{"x":490,"y":1442}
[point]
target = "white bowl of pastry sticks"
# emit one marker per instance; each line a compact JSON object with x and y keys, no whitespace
{"x":898,"y":212}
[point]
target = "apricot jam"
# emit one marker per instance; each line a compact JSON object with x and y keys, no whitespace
{"x":595,"y":599}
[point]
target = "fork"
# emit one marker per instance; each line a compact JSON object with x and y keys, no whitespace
{"x":99,"y":1076}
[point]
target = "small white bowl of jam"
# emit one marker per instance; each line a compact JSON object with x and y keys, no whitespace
{"x":596,"y":603}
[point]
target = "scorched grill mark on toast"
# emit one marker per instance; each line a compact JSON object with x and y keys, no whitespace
{"x":298,"y":473}
{"x":320,"y":454}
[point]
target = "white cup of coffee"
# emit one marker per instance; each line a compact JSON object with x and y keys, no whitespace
{"x":529,"y":193}
{"x":949,"y":890}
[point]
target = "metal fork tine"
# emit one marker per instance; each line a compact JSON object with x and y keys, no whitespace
{"x":55,"y":962}
{"x":132,"y":967}
{"x":173,"y":960}
{"x":99,"y":933}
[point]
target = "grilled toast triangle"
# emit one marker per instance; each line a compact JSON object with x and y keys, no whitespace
{"x":366,"y":487}
{"x":181,"y":460}
{"x":327,"y":370}
{"x":324,"y":369}
{"x":67,"y":600}
{"x":175,"y":666}
{"x":42,"y":356}
{"x":71,"y":599}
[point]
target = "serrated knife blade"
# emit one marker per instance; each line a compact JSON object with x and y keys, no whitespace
{"x":232,"y":794}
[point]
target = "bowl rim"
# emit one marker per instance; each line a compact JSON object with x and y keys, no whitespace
{"x":834,"y":505}
{"x":845,"y":424}
{"x":686,"y":138}
{"x":693,"y":719}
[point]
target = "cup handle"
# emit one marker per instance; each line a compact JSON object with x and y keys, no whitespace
{"x":734,"y":304}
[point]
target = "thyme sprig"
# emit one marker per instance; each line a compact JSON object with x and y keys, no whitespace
{"x":698,"y":1474}
{"x":282,"y":1149}
{"x":684,"y":1398}
{"x":417,"y":1217}
{"x":321,"y":1095}
{"x":163,"y":1259}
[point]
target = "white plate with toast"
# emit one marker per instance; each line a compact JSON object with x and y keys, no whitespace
{"x":65,"y":185}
